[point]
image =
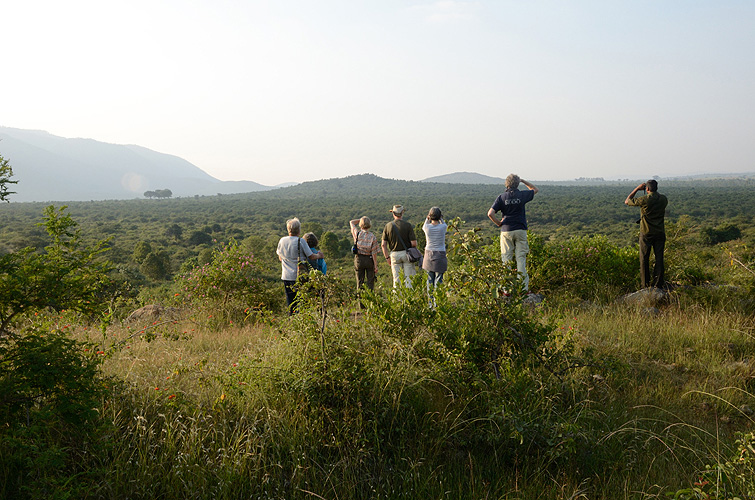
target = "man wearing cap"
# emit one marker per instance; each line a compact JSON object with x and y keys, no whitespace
{"x":652,"y":231}
{"x":398,"y":237}
{"x":513,"y":223}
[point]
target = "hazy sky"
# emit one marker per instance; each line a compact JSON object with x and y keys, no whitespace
{"x":278,"y":91}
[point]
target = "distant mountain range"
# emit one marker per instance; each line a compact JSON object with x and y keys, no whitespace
{"x":52,"y":168}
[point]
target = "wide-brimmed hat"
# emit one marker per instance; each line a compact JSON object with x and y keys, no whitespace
{"x":397,"y":209}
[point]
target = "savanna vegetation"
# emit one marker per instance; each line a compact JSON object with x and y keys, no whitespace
{"x":379,"y":395}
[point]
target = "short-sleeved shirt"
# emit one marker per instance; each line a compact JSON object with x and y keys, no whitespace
{"x":366,"y":241}
{"x":292,"y":249}
{"x":391,"y":232}
{"x":652,"y":212}
{"x":511,"y":205}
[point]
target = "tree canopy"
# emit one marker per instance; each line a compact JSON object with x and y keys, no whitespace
{"x":6,"y":172}
{"x":159,"y":193}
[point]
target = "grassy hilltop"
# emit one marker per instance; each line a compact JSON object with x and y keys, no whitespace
{"x":378,"y":396}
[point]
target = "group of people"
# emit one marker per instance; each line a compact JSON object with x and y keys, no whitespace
{"x":294,"y":250}
{"x":398,"y":241}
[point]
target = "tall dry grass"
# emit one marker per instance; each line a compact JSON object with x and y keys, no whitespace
{"x":266,"y":412}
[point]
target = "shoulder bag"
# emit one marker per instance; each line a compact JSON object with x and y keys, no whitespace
{"x":354,"y":248}
{"x":303,"y":265}
{"x":412,"y":252}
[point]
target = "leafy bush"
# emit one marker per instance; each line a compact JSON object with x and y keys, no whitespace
{"x":586,"y":267}
{"x":228,"y":288}
{"x":141,"y":250}
{"x":68,"y":275}
{"x":50,"y":389}
{"x":479,"y":318}
{"x":733,"y":477}
{"x":480,"y":338}
{"x":199,"y":238}
{"x":156,"y":265}
{"x":720,"y":234}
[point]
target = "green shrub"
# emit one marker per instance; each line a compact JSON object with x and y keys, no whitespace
{"x":720,"y":234}
{"x":141,"y":250}
{"x":50,"y":391}
{"x":67,"y":275}
{"x":733,"y":477}
{"x":586,"y":267}
{"x":482,"y":342}
{"x":199,"y":238}
{"x":156,"y":265}
{"x":227,"y":289}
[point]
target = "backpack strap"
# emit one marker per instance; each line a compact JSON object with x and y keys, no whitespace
{"x":398,"y":233}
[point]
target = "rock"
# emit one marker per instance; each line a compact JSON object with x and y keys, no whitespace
{"x":650,"y":312}
{"x":153,"y":312}
{"x":533,"y":299}
{"x":647,"y":297}
{"x":590,"y":307}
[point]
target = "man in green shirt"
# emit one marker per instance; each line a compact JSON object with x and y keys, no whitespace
{"x":652,"y":231}
{"x":398,"y":237}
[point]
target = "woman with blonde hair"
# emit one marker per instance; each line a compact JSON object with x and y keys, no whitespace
{"x":365,"y":257}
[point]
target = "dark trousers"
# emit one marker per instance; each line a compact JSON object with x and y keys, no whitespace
{"x":656,"y":242}
{"x":365,"y":268}
{"x":290,"y":288}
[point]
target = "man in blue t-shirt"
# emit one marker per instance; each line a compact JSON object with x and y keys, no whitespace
{"x":513,"y":223}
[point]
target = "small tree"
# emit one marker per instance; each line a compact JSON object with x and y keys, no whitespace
{"x":330,"y":244}
{"x":174,"y":231}
{"x":67,"y":275}
{"x":141,"y":250}
{"x":228,"y":288}
{"x":199,"y":238}
{"x":6,"y":172}
{"x":156,"y":265}
{"x":720,"y":234}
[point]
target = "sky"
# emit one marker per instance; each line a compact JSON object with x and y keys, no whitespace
{"x":297,"y":90}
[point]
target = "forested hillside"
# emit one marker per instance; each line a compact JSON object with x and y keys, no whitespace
{"x":183,"y":227}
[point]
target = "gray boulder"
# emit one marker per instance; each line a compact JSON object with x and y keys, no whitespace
{"x":647,"y":297}
{"x":533,"y":299}
{"x":153,"y":312}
